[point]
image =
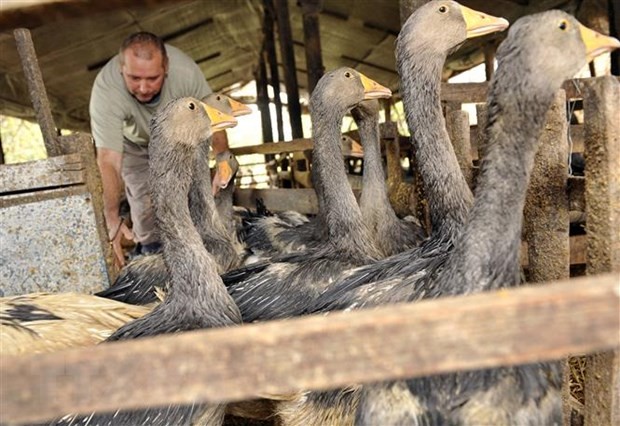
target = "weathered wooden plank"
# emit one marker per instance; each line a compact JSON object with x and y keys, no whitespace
{"x":575,"y":135}
{"x":477,"y":92}
{"x":64,"y":170}
{"x":274,"y":147}
{"x":577,"y":246}
{"x":602,"y":135}
{"x":301,"y":200}
{"x":507,"y":327}
{"x":546,"y":223}
{"x":287,"y":54}
{"x":34,"y":13}
{"x":38,"y":94}
{"x":457,"y":124}
{"x":312,"y":40}
{"x":83,"y":145}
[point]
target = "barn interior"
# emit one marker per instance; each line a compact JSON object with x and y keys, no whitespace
{"x":269,"y":54}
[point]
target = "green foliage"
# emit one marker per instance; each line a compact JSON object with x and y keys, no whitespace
{"x":21,"y":140}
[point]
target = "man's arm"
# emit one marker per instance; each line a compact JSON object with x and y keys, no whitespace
{"x":109,"y":162}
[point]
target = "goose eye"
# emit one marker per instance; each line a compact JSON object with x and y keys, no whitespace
{"x":563,"y":25}
{"x":192,"y":105}
{"x":443,"y":9}
{"x":347,"y":74}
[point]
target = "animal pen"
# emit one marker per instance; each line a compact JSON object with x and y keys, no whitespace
{"x":562,"y":317}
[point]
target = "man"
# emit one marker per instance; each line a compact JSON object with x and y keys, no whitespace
{"x":145,"y":75}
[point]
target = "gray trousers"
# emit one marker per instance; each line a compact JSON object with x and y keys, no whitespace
{"x":135,"y":173}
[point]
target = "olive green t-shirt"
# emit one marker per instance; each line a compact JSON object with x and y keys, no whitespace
{"x":115,"y":114}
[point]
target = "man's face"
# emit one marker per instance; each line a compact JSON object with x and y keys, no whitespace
{"x":143,"y":77}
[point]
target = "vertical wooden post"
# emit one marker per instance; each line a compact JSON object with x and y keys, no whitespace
{"x":312,"y":39}
{"x":546,"y":223}
{"x":489,"y":60}
{"x":287,"y":53}
{"x":82,"y":143}
{"x":614,"y":31}
{"x":481,"y":117}
{"x":601,"y":106}
{"x":262,"y":99}
{"x":457,"y":124}
{"x":272,"y":60}
{"x":36,"y":88}
{"x":546,"y":219}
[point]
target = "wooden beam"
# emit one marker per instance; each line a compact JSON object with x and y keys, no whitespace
{"x":35,"y":13}
{"x":457,"y":124}
{"x":312,"y":39}
{"x":288,"y":58}
{"x":303,"y":200}
{"x":53,"y":172}
{"x":272,"y":60}
{"x":546,"y":223}
{"x":274,"y":147}
{"x":601,"y":105}
{"x":83,"y":145}
{"x":36,"y":88}
{"x":262,"y":100}
{"x":477,"y":92}
{"x":507,"y":327}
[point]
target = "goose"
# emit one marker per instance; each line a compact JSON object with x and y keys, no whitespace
{"x":275,"y":235}
{"x":267,"y":235}
{"x":391,"y":234}
{"x":223,"y":188}
{"x":540,"y":52}
{"x":137,"y":280}
{"x":286,"y":284}
{"x":197,"y":298}
{"x":46,"y":322}
{"x":428,"y":36}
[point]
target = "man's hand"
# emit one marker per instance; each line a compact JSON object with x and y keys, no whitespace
{"x":116,"y":232}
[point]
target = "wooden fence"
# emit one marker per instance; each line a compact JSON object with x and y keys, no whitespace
{"x":533,"y":323}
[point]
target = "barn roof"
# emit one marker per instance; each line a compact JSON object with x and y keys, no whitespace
{"x":73,"y":40}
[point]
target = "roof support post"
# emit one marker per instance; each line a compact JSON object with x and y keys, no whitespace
{"x":312,"y":40}
{"x":287,"y":53}
{"x":272,"y":60}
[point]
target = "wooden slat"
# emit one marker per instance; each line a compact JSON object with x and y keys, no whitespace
{"x":477,"y":92}
{"x":38,"y":94}
{"x":274,"y":147}
{"x":577,"y":246}
{"x":546,"y":221}
{"x":507,"y":327}
{"x":300,"y":200}
{"x":52,"y":172}
{"x":602,"y":134}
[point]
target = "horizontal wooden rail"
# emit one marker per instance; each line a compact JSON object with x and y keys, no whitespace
{"x":477,"y":92}
{"x":51,"y":172}
{"x":274,"y":147}
{"x":505,"y":327}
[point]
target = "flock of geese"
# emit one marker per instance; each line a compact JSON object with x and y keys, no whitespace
{"x":350,"y":256}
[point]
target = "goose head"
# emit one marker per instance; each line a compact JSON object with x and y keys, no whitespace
{"x":554,"y":44}
{"x":344,"y":88}
{"x":226,"y":166}
{"x":444,"y":25}
{"x":188,"y":121}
